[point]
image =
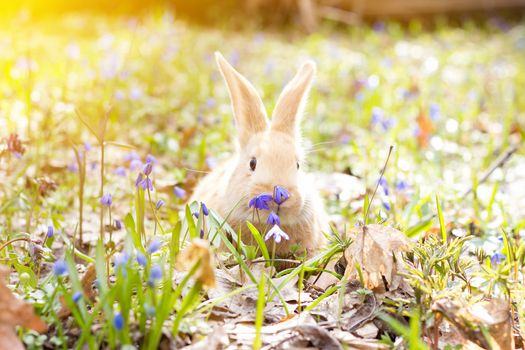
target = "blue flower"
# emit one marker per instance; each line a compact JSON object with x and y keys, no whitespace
{"x":386,"y":205}
{"x":201,"y":235}
{"x":154,"y":275}
{"x":106,"y":200}
{"x":401,"y":185}
{"x":159,"y":204}
{"x":497,"y":258}
{"x":60,"y":268}
{"x":277,"y":234}
{"x":120,"y":261}
{"x":260,"y":202}
{"x":50,"y":231}
{"x":154,"y":246}
{"x":118,"y":224}
{"x":73,"y":167}
{"x":120,"y":171}
{"x":388,"y":123}
{"x":147,"y":168}
{"x":87,"y":146}
{"x":151,"y":159}
{"x":179,"y":192}
{"x":118,"y":321}
{"x":434,"y":111}
{"x":384,"y":185}
{"x":205,"y":210}
{"x":280,"y":195}
{"x":128,"y":157}
{"x":196,"y":214}
{"x":377,"y":115}
{"x":146,"y":184}
{"x":135,"y":164}
{"x":273,"y":219}
{"x":211,"y":162}
{"x":77,"y":296}
{"x":141,"y":259}
{"x":138,"y":180}
{"x":210,"y":103}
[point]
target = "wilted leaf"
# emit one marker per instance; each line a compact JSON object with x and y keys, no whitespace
{"x":492,"y":315}
{"x":376,"y":249}
{"x":14,"y":312}
{"x":199,"y":250}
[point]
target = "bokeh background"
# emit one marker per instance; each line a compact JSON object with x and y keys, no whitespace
{"x":442,"y":81}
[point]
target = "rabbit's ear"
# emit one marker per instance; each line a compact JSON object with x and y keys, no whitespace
{"x":248,"y":109}
{"x":289,"y":107}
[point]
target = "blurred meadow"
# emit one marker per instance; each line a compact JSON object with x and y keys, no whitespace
{"x":87,"y":99}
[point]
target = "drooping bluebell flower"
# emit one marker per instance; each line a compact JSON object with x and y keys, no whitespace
{"x":118,"y":224}
{"x":196,"y":214}
{"x":497,"y":258}
{"x":211,"y":162}
{"x":384,"y":186}
{"x":147,"y":168}
{"x":210,"y":103}
{"x":93,"y":165}
{"x":128,"y":157}
{"x":135,"y":93}
{"x":60,"y":268}
{"x":87,"y":146}
{"x":106,"y":200}
{"x":154,"y":275}
{"x":260,"y":202}
{"x":120,"y":171}
{"x":77,"y":296}
{"x":50,"y":231}
{"x":120,"y":261}
{"x":273,"y":219}
{"x":73,"y":167}
{"x":150,"y":310}
{"x":387,"y":124}
{"x":205,"y":210}
{"x":280,"y":194}
{"x":179,"y":192}
{"x":434,"y":111}
{"x":154,"y":246}
{"x":201,"y":235}
{"x":386,"y":205}
{"x":118,"y":321}
{"x":138,"y":180}
{"x":151,"y":159}
{"x":377,"y":115}
{"x":401,"y":185}
{"x":159,"y":204}
{"x":135,"y":164}
{"x":146,"y":184}
{"x":277,"y":234}
{"x":141,"y":259}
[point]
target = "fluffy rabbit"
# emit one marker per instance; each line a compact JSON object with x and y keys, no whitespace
{"x":268,"y":154}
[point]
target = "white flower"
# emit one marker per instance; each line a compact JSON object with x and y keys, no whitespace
{"x":277,"y":234}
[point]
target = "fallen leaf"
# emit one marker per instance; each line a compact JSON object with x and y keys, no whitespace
{"x":15,"y":312}
{"x":376,"y":249}
{"x":199,"y":250}
{"x":490,"y":314}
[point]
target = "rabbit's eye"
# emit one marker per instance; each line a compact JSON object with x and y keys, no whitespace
{"x":297,"y":165}
{"x":253,"y":163}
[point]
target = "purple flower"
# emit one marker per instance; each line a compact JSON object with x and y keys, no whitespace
{"x":120,"y":171}
{"x":210,"y":103}
{"x":273,"y":219}
{"x":118,"y":224}
{"x":135,"y":164}
{"x":260,"y":202}
{"x":497,"y":258}
{"x":147,"y":168}
{"x":106,"y":200}
{"x":384,"y":186}
{"x":87,"y":146}
{"x":73,"y":167}
{"x":60,"y":268}
{"x":377,"y":115}
{"x":135,"y":93}
{"x":196,"y":214}
{"x":179,"y":192}
{"x":128,"y":157}
{"x":388,"y":123}
{"x":141,"y":259}
{"x":205,"y":210}
{"x":118,"y":321}
{"x":154,"y":246}
{"x":155,"y":275}
{"x":280,"y":195}
{"x":146,"y":184}
{"x":50,"y":231}
{"x":151,"y":159}
{"x":159,"y":204}
{"x":77,"y":296}
{"x":121,"y":260}
{"x":138,"y":180}
{"x":386,"y":205}
{"x":201,"y":233}
{"x":277,"y":234}
{"x":211,"y":162}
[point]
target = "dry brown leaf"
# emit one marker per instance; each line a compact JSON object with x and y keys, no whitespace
{"x":14,"y":312}
{"x":376,"y":249}
{"x":199,"y":250}
{"x":492,"y":314}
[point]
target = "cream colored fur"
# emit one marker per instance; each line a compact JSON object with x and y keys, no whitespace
{"x":277,"y":148}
